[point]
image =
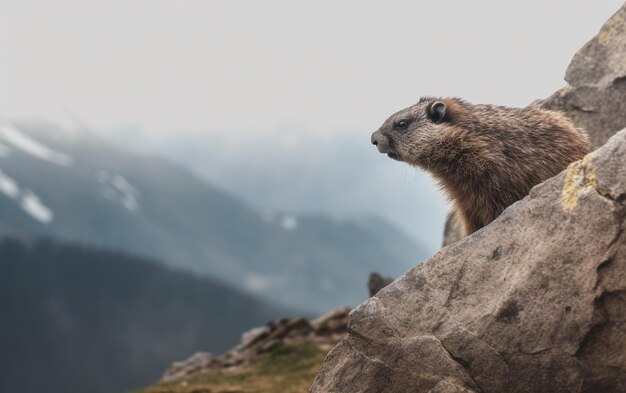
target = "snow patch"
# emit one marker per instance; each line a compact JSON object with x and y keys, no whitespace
{"x":289,"y":223}
{"x":128,"y":191}
{"x":29,"y":202}
{"x":119,"y":189}
{"x":29,"y":145}
{"x":8,"y":186}
{"x":33,"y":206}
{"x":257,"y":282}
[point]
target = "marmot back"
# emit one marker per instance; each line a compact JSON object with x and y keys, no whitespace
{"x":485,"y":157}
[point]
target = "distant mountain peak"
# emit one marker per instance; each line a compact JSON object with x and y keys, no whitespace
{"x":23,"y":142}
{"x":83,"y":189}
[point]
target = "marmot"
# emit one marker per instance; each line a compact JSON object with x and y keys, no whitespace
{"x":485,"y":157}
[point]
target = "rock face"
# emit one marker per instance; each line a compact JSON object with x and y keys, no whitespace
{"x":324,"y":332}
{"x":534,"y":302}
{"x":595,"y":96}
{"x":452,"y":231}
{"x":376,"y":282}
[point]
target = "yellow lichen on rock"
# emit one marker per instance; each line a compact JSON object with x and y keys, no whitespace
{"x":610,"y":28}
{"x":580,"y":177}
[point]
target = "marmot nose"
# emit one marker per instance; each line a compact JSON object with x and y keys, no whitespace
{"x":375,"y":137}
{"x":381,"y":141}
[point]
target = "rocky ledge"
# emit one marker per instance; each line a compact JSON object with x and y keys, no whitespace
{"x":534,"y":302}
{"x":322,"y":333}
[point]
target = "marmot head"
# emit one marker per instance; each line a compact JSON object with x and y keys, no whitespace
{"x":411,"y":134}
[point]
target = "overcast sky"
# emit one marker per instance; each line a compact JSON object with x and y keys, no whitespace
{"x":257,"y":66}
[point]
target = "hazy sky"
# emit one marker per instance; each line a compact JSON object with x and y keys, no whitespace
{"x":255,"y":66}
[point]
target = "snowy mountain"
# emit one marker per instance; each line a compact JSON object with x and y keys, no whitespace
{"x":78,"y":188}
{"x":292,"y":168}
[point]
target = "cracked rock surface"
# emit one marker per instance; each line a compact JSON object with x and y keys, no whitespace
{"x":534,"y":302}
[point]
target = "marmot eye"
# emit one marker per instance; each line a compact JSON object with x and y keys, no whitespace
{"x":402,"y":124}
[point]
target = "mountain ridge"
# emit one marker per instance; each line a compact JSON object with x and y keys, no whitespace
{"x":94,"y":193}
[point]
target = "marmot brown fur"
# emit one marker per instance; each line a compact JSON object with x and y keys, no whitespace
{"x":485,"y":157}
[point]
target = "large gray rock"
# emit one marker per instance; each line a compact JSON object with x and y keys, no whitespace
{"x":595,"y":96}
{"x":534,"y":302}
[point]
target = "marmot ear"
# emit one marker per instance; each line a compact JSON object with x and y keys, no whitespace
{"x":437,"y":112}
